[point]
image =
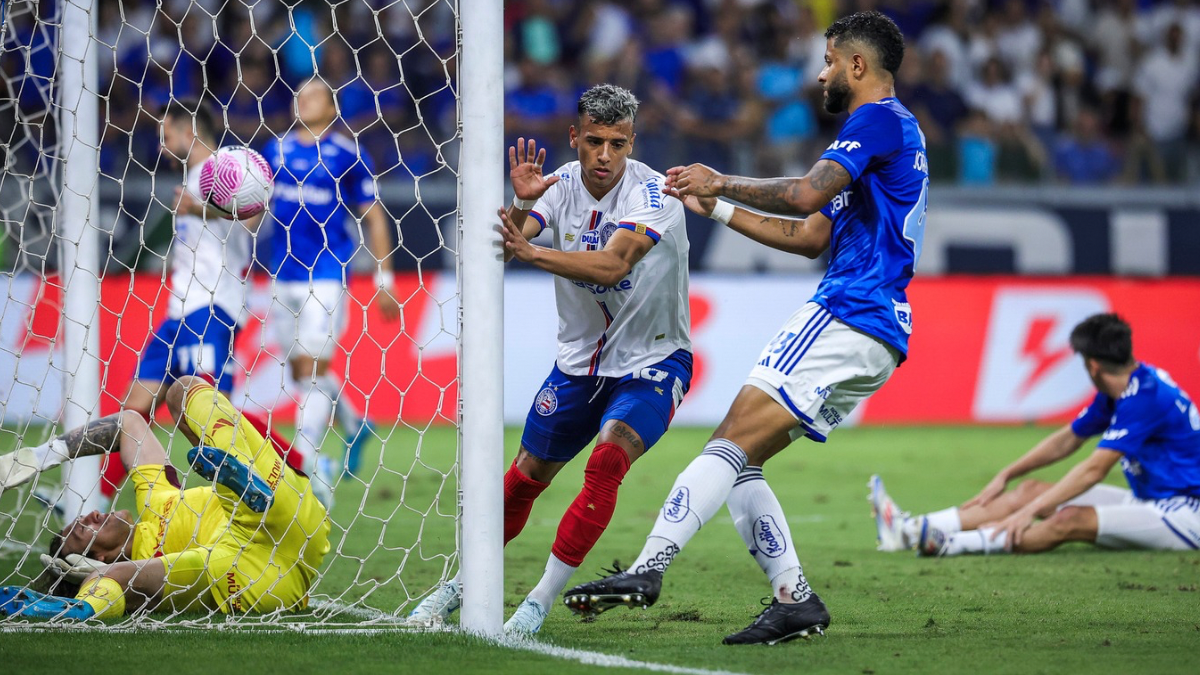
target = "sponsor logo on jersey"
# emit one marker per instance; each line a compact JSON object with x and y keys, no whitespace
{"x":677,"y":506}
{"x":652,"y":193}
{"x":303,"y":194}
{"x":903,"y":315}
{"x":546,"y":402}
{"x":1115,"y":434}
{"x":1028,"y":370}
{"x":769,"y":537}
{"x":841,"y":201}
{"x":1131,"y":466}
{"x":848,"y":146}
{"x":597,"y":289}
{"x":1132,"y":389}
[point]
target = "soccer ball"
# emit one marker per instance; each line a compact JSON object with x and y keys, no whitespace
{"x":236,"y":181}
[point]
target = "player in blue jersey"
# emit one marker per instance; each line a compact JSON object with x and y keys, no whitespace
{"x":1144,"y":421}
{"x":324,"y":199}
{"x":866,"y":197}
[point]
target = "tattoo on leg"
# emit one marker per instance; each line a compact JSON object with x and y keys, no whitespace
{"x":622,"y":431}
{"x":96,"y":438}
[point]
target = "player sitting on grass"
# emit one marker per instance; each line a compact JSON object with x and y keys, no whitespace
{"x":1147,"y":423}
{"x":252,"y":542}
{"x":624,"y":357}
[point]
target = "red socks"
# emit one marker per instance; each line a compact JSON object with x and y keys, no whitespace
{"x":590,"y":513}
{"x":519,"y":492}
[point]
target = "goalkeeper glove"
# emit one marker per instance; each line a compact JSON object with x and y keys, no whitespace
{"x":74,"y":568}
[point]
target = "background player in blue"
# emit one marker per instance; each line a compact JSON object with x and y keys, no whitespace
{"x":867,"y":200}
{"x":619,"y":257}
{"x":324,"y":195}
{"x":1145,"y":422}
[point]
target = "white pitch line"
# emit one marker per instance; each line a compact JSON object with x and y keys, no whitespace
{"x":526,"y":644}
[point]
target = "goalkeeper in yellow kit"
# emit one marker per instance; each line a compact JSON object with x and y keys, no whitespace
{"x":250,"y":543}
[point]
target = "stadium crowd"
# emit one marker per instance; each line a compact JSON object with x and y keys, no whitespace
{"x":1067,"y":91}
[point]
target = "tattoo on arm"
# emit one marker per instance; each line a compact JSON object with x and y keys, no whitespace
{"x":788,"y":226}
{"x":96,"y":438}
{"x":622,"y":431}
{"x":768,"y":194}
{"x":828,"y":178}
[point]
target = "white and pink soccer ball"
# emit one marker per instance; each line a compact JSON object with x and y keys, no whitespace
{"x":237,"y":181}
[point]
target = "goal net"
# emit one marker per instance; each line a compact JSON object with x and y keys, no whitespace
{"x":94,"y":244}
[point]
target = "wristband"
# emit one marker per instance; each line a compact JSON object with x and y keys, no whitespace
{"x":722,"y":212}
{"x":385,"y":279}
{"x":523,"y":204}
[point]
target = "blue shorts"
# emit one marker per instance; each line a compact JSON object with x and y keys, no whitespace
{"x":200,"y":344}
{"x":571,"y":409}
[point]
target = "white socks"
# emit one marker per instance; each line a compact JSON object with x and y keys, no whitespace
{"x":976,"y":541}
{"x":553,"y":581}
{"x":759,"y":519}
{"x":313,"y":412}
{"x":50,"y":454}
{"x":945,"y":520}
{"x":697,"y":495}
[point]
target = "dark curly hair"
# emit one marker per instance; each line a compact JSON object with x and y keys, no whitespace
{"x":1106,"y":338}
{"x":875,"y":30}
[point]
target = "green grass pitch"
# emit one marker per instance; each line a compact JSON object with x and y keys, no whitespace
{"x":1075,"y":610}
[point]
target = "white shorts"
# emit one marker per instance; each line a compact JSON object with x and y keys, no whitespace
{"x":1126,"y":522}
{"x":309,"y":317}
{"x":820,"y":369}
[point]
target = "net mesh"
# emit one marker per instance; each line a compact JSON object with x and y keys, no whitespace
{"x":390,"y":67}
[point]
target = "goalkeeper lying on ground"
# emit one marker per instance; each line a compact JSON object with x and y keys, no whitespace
{"x":252,"y":542}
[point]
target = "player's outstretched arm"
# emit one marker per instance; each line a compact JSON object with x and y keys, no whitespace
{"x":606,"y":267}
{"x":1081,"y":478}
{"x":1055,"y":447}
{"x":379,"y":240}
{"x":525,"y":163}
{"x":800,"y":196}
{"x":125,"y":432}
{"x":808,"y":237}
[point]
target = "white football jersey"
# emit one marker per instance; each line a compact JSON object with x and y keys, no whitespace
{"x":613,"y":331}
{"x":209,"y":259}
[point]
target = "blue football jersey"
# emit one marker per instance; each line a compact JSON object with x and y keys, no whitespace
{"x":1155,"y":427}
{"x":319,"y":190}
{"x":878,"y":221}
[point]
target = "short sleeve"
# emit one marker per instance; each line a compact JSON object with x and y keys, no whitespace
{"x":360,"y":182}
{"x":545,"y":212}
{"x":650,"y":212}
{"x":1094,"y":418}
{"x":871,"y":132}
{"x":1133,"y":424}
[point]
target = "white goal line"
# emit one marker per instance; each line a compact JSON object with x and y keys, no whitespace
{"x":527,"y":644}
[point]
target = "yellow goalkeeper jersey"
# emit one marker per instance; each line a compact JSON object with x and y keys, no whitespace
{"x":171,"y":519}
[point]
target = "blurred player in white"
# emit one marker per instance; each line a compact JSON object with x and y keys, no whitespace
{"x":324,"y":197}
{"x":1145,"y":422}
{"x":209,"y":259}
{"x":620,"y":258}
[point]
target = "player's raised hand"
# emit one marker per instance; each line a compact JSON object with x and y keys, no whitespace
{"x":515,"y":243}
{"x":525,"y":170}
{"x":993,"y":489}
{"x":696,"y":180}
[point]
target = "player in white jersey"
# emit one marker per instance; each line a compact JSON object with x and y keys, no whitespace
{"x":619,"y":255}
{"x":209,"y":257}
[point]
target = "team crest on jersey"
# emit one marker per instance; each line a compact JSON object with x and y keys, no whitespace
{"x":546,"y":402}
{"x":599,"y":237}
{"x":904,"y":316}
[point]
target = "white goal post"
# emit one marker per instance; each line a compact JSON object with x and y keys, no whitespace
{"x":83,"y":202}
